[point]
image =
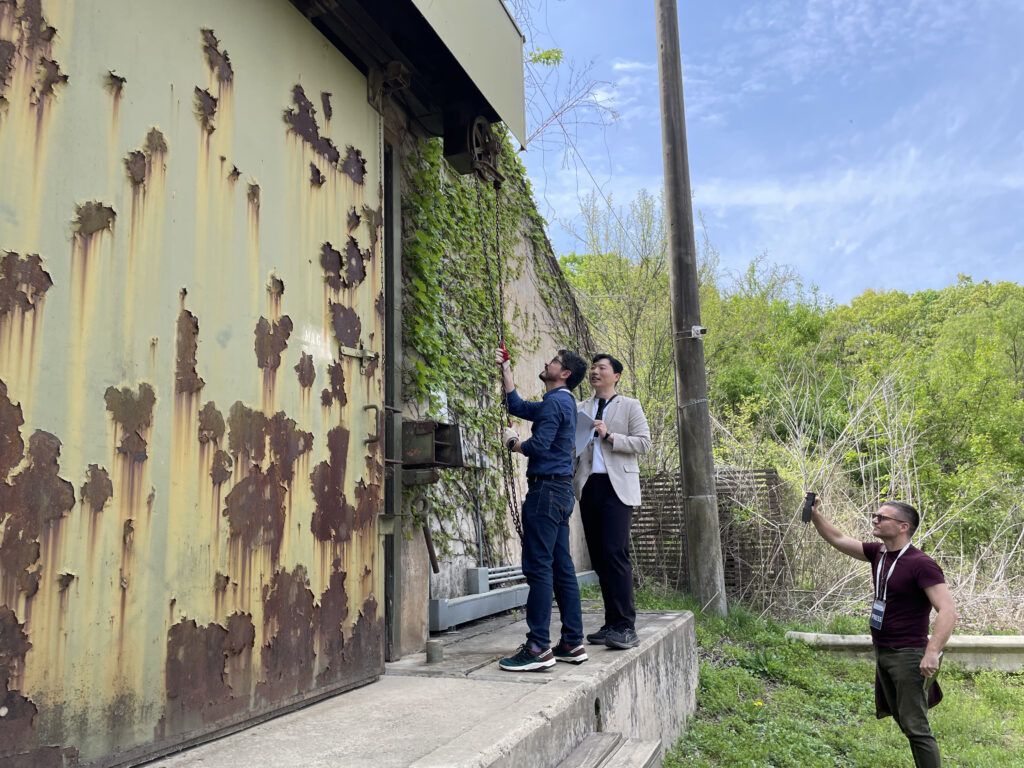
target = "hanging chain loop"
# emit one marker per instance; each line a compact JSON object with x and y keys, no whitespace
{"x":496,"y":286}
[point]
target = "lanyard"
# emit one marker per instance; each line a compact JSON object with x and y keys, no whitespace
{"x":878,"y":571}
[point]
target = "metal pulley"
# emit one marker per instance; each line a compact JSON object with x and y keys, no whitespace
{"x":484,"y":149}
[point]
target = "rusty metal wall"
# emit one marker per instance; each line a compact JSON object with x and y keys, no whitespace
{"x":190,"y":301}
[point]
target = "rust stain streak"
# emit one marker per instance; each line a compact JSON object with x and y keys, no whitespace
{"x":35,"y":500}
{"x":23,"y":287}
{"x":271,"y":341}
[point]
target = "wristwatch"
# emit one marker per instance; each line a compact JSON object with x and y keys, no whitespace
{"x":607,"y":436}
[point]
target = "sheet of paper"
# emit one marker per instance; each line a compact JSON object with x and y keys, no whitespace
{"x":584,"y":431}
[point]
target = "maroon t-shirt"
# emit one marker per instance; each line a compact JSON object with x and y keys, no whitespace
{"x":907,"y":607}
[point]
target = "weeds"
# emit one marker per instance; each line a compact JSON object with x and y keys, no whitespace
{"x":765,"y":702}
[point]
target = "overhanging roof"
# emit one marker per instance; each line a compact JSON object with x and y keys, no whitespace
{"x":487,"y":43}
{"x":464,"y":57}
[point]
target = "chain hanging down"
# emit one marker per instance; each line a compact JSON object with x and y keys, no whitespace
{"x":496,"y":283}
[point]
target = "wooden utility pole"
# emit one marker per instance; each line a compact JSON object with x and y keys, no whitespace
{"x":696,"y":462}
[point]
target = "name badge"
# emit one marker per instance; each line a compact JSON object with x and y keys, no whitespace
{"x":877,"y":612}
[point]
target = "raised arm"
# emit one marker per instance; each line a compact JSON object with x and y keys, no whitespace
{"x":845,"y":544}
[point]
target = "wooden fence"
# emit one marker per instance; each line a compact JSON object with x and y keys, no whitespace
{"x":751,"y":520}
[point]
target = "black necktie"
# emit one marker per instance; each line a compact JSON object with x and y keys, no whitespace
{"x":601,"y":403}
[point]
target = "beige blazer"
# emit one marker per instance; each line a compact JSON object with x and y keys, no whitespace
{"x":631,"y":437}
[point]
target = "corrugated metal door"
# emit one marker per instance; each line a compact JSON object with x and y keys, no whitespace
{"x":190,"y":325}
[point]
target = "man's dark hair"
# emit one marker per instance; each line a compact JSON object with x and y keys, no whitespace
{"x":615,"y":364}
{"x":576,"y":366}
{"x":908,"y":511}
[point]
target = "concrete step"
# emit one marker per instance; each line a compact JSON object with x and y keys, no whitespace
{"x":608,"y":750}
{"x":592,"y":751}
{"x":635,"y":753}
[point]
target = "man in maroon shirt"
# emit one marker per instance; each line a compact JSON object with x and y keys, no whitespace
{"x":908,"y":584}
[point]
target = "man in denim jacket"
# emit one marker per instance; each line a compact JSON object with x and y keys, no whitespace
{"x":547,"y":562}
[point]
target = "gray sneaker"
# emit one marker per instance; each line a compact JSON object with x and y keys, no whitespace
{"x":598,"y":638}
{"x":621,"y":638}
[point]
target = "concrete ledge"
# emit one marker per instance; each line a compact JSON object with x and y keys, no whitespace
{"x":644,"y":693}
{"x":465,"y":712}
{"x":1002,"y":652}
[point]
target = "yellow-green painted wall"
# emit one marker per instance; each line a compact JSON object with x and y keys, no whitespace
{"x":197,"y":594}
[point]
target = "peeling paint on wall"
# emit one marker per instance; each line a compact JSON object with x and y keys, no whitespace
{"x":333,"y":516}
{"x":220,"y":471}
{"x":36,"y":498}
{"x":255,"y":510}
{"x":343,"y":272}
{"x":11,"y":444}
{"x":91,"y":218}
{"x":374,"y":221}
{"x":205,"y":108}
{"x":216,"y":59}
{"x":289,"y":623}
{"x":23,"y":287}
{"x":316,"y":178}
{"x":23,"y":283}
{"x":306,"y":371}
{"x":335,"y":393}
{"x":353,"y":219}
{"x":97,"y":488}
{"x":287,"y":444}
{"x":211,"y":424}
{"x":18,"y":736}
{"x":347,"y":325}
{"x":186,"y":380}
{"x":133,"y":413}
{"x":301,"y":120}
{"x":199,"y":689}
{"x":354,"y":166}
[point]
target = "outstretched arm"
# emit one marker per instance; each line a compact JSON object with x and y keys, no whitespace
{"x":845,"y":544}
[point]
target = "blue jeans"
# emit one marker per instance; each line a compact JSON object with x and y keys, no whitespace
{"x":547,"y":562}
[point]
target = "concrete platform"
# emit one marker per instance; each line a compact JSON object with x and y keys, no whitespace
{"x":465,"y":712}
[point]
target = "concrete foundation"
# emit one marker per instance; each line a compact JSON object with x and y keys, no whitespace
{"x":465,"y":712}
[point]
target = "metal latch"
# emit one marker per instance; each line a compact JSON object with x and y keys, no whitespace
{"x":365,"y":356}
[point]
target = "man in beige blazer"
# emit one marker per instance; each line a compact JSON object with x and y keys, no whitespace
{"x":607,"y":483}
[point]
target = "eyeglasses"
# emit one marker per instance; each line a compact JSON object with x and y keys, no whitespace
{"x":876,"y":518}
{"x":557,"y":360}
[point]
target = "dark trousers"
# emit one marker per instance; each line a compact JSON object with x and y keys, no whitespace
{"x":547,"y":561}
{"x":606,"y":522}
{"x":906,"y":694}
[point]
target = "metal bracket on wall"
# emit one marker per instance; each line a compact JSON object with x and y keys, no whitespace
{"x":392,"y":77}
{"x":365,"y":356}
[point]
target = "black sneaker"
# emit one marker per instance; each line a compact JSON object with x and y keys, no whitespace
{"x":621,"y":638}
{"x":574,"y":654}
{"x":526,"y":660}
{"x":598,"y":638}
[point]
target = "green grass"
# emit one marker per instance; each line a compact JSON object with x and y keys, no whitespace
{"x":764,"y":702}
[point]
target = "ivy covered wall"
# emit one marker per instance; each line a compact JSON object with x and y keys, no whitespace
{"x":476,"y":264}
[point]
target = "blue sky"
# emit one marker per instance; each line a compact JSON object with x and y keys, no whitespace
{"x":866,"y":143}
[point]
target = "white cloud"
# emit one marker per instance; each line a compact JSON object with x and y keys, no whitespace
{"x":633,"y":66}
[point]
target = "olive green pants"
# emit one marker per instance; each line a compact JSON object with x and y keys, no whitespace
{"x":906,"y":692}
